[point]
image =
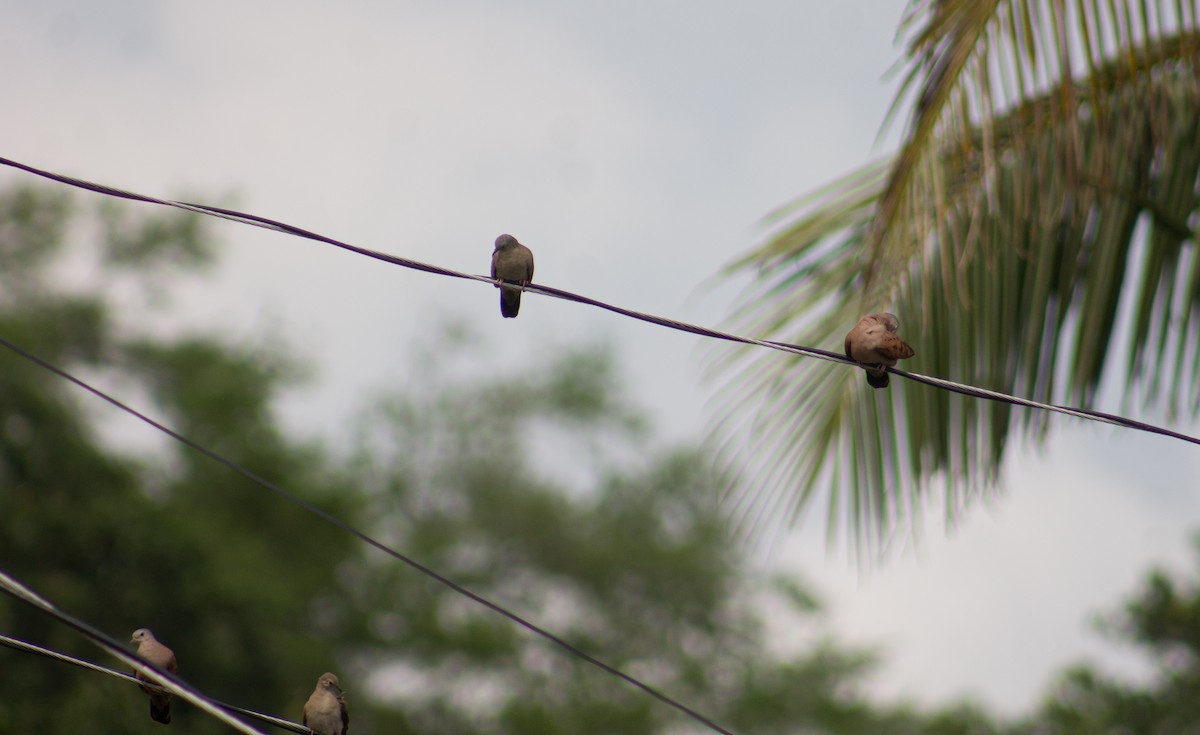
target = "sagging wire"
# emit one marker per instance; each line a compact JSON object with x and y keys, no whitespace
{"x":20,"y":645}
{"x":270,"y":224}
{"x":170,"y":682}
{"x":364,"y":537}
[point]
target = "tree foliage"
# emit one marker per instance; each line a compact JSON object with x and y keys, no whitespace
{"x":541,"y":489}
{"x":1162,"y":621}
{"x":1047,"y":181}
{"x":164,"y":540}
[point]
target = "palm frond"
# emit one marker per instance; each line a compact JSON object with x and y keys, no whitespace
{"x":1025,"y":210}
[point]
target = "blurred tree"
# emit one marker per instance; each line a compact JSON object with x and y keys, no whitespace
{"x":632,"y":561}
{"x":1163,"y":621}
{"x":223,"y":573}
{"x":539,"y":489}
{"x":1048,"y":174}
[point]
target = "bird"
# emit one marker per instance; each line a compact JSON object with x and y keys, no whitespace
{"x":163,"y":658}
{"x":874,"y":343}
{"x":325,"y":711}
{"x":511,"y":261}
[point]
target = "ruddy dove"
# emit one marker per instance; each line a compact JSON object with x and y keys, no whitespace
{"x":162,"y":657}
{"x":325,"y":711}
{"x":874,"y":343}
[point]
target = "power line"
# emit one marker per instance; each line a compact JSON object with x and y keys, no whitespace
{"x":363,"y":536}
{"x":270,"y":224}
{"x":170,"y":682}
{"x":20,"y":645}
{"x":263,"y":222}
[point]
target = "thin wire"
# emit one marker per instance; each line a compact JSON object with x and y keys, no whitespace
{"x":170,"y":682}
{"x":270,"y":224}
{"x":21,"y":645}
{"x":362,"y":536}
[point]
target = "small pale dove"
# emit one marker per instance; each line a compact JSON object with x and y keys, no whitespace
{"x":874,"y":343}
{"x":162,"y":657}
{"x":511,"y":261}
{"x":325,"y":711}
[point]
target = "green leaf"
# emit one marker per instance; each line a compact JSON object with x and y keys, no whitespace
{"x":1024,"y":209}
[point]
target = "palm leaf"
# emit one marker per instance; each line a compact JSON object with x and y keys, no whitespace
{"x":1026,"y":209}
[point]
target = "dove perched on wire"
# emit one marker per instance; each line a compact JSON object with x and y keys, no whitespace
{"x":511,"y":261}
{"x":163,"y":658}
{"x":874,"y":343}
{"x":325,"y":711}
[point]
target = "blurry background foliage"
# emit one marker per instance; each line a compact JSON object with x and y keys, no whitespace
{"x":632,"y":560}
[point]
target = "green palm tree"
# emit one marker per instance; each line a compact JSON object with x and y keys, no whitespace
{"x":1047,"y":181}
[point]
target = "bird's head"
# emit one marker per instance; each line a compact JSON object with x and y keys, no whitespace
{"x":329,"y":681}
{"x":885,"y":319}
{"x":506,"y":241}
{"x":141,"y":634}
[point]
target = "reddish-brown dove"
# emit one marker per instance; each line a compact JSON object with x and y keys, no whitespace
{"x":511,"y":261}
{"x":873,"y":342}
{"x":325,"y":711}
{"x":162,"y":657}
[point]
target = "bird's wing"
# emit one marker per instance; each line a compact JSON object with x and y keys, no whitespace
{"x":892,"y":347}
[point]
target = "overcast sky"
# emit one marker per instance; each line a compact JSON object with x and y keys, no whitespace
{"x":635,"y":147}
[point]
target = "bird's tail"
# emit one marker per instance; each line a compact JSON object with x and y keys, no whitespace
{"x":878,"y":380}
{"x":160,"y":710}
{"x":510,"y":302}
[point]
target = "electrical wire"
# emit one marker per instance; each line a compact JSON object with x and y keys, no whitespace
{"x":363,"y":536}
{"x":257,"y":221}
{"x":20,"y":645}
{"x":266,"y":223}
{"x":170,"y":682}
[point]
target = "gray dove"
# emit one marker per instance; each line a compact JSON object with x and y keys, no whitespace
{"x":511,"y":261}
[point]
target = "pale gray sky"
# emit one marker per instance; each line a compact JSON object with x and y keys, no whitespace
{"x":634,"y":146}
